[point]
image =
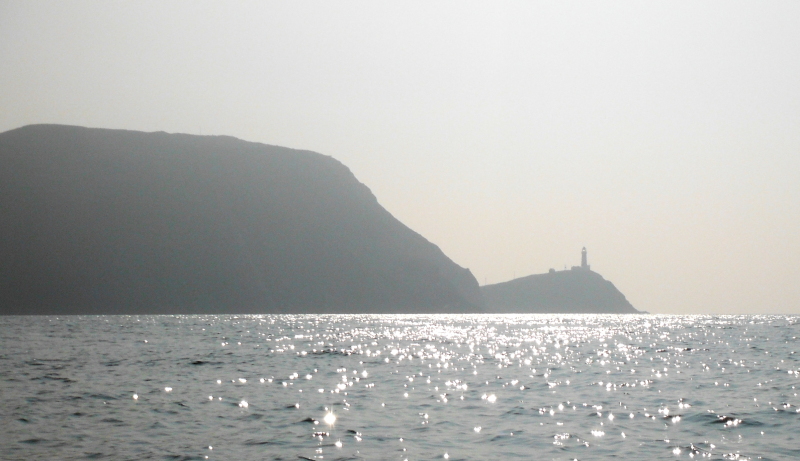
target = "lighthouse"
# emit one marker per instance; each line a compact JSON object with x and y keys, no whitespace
{"x":584,"y":263}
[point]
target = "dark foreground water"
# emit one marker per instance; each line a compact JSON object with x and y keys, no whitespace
{"x":399,"y":387}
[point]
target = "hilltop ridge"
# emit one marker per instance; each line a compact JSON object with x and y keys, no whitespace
{"x":99,"y":221}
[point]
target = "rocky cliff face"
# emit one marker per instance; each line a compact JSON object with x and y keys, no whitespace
{"x":109,"y":221}
{"x":579,"y":291}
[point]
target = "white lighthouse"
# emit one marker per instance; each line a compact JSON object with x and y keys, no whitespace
{"x":584,"y":263}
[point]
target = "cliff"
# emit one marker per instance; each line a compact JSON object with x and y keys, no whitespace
{"x":99,"y":221}
{"x":571,"y":291}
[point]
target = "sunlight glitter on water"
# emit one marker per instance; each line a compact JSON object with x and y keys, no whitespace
{"x":409,"y":387}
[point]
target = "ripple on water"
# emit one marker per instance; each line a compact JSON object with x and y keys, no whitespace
{"x":400,"y":387}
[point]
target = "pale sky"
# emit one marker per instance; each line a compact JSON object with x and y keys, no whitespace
{"x":663,"y":136}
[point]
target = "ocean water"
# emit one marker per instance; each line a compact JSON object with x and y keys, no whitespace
{"x":366,"y":387}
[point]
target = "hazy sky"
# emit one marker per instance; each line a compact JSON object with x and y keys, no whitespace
{"x":663,"y":136}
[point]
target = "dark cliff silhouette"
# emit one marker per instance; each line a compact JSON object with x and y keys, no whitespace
{"x":578,"y":291}
{"x":96,"y":221}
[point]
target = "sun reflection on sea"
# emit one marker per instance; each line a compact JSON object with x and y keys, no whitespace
{"x":421,"y":387}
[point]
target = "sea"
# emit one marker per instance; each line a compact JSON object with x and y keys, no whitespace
{"x":399,"y":387}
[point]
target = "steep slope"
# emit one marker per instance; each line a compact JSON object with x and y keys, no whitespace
{"x":109,"y":221}
{"x":569,"y":291}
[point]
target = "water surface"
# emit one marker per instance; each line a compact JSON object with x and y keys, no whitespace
{"x":370,"y":387}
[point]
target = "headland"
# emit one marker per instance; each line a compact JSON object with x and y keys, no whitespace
{"x":98,"y":221}
{"x":576,"y":290}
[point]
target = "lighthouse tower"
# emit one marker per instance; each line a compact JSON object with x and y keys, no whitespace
{"x":584,"y":263}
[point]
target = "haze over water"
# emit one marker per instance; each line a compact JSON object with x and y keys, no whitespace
{"x":660,"y":135}
{"x":400,"y":387}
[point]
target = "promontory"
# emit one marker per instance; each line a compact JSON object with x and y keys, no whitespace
{"x":98,"y":221}
{"x":578,"y":290}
